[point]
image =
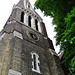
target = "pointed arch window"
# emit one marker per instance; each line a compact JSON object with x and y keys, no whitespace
{"x":36,"y":24}
{"x":22,"y":17}
{"x":28,"y":5}
{"x":29,"y":21}
{"x":35,"y":62}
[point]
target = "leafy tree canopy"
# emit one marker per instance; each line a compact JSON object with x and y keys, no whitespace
{"x":57,"y":9}
{"x":63,"y":13}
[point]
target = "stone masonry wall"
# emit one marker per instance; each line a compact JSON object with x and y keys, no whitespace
{"x":15,"y":53}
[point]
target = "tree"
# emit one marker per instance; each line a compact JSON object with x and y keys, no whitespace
{"x":68,"y":41}
{"x":63,"y":13}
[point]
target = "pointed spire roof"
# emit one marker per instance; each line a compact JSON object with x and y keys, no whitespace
{"x":23,"y":3}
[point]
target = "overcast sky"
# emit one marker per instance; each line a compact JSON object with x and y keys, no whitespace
{"x":6,"y":9}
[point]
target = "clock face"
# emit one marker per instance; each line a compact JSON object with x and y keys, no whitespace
{"x":33,"y":36}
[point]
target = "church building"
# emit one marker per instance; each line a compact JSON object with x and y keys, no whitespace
{"x":25,"y":48}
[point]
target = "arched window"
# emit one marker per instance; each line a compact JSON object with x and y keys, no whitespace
{"x":36,"y":24}
{"x":22,"y":17}
{"x":35,"y":62}
{"x":29,"y":21}
{"x":28,"y":5}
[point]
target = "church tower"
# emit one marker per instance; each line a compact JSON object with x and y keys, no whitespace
{"x":25,"y":48}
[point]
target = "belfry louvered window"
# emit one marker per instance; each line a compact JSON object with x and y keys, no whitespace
{"x":29,"y":21}
{"x":36,"y":24}
{"x":22,"y":17}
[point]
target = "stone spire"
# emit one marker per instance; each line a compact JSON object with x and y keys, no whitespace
{"x":24,"y":4}
{"x":21,"y":3}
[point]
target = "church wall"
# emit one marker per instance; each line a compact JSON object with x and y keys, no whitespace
{"x":5,"y":53}
{"x":24,"y":30}
{"x":16,"y":55}
{"x":54,"y":63}
{"x":21,"y":60}
{"x":18,"y":14}
{"x":19,"y":53}
{"x":28,"y":47}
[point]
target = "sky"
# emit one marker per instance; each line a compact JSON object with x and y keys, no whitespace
{"x":6,"y":9}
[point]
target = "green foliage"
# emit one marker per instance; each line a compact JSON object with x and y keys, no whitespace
{"x":63,"y":13}
{"x":57,"y":9}
{"x":69,"y":41}
{"x":72,"y":66}
{"x":70,"y":27}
